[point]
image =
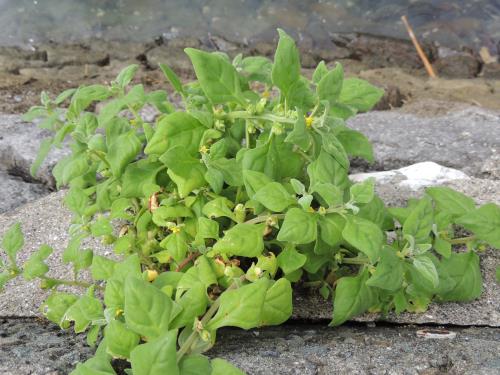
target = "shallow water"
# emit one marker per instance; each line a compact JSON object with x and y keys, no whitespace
{"x":475,"y":23}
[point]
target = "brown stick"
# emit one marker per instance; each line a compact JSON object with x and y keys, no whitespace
{"x":419,"y":49}
{"x":186,"y":261}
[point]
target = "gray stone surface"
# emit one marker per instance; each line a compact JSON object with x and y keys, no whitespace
{"x":32,"y":347}
{"x":19,"y":144}
{"x":46,"y":221}
{"x":467,"y":139}
{"x":14,"y":192}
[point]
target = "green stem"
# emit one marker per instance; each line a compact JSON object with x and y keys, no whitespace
{"x":357,"y":260}
{"x":263,"y":218}
{"x":81,"y":284}
{"x":208,"y":315}
{"x":461,"y":240}
{"x":267,"y":117}
{"x":304,"y":155}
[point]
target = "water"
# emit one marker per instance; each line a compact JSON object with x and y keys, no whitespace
{"x":475,"y":23}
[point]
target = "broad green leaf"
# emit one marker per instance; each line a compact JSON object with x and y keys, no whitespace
{"x":76,"y":200}
{"x":177,"y":129}
{"x":123,"y":151}
{"x":356,"y":144}
{"x":119,"y":339}
{"x":464,"y":269}
{"x":299,"y":227}
{"x":164,"y":215}
{"x":148,"y":311}
{"x":172,"y":78}
{"x":195,"y":364}
{"x":137,"y":175}
{"x":330,"y":85}
{"x":98,"y":365}
{"x":388,"y":273}
{"x":450,"y":201}
{"x":329,"y":194}
{"x":83,"y":312}
{"x":156,"y":357}
{"x":43,"y":151}
{"x":84,"y":96}
{"x":289,"y":259}
{"x":352,"y":297}
{"x":35,"y":266}
{"x":257,"y":68}
{"x":13,"y":241}
{"x":359,"y":94}
{"x":325,"y":169}
{"x":364,"y":235}
{"x":331,"y":227}
{"x":300,"y":95}
{"x":101,"y":227}
{"x":194,"y":304}
{"x":242,"y":240}
{"x":176,"y":245}
{"x":207,"y":228}
{"x":419,"y":222}
{"x":484,"y":222}
{"x":223,"y":367}
{"x":363,"y":192}
{"x":277,"y":307}
{"x":427,"y":270}
{"x":202,"y":272}
{"x":254,"y":181}
{"x":442,"y":247}
{"x":102,"y":268}
{"x":286,"y":66}
{"x":320,"y":71}
{"x":274,"y":197}
{"x":333,"y":146}
{"x":55,"y":306}
{"x":219,"y":207}
{"x":126,"y":75}
{"x":218,"y":79}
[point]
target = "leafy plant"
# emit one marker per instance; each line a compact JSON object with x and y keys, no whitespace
{"x":216,"y":209}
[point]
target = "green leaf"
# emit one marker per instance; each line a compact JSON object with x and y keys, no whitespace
{"x":138,"y":175}
{"x":102,"y":268}
{"x":359,"y":94}
{"x":43,"y":151}
{"x":484,"y":222}
{"x":176,"y":245}
{"x":286,"y":67}
{"x":325,"y":169}
{"x":76,"y":200}
{"x":427,"y":270}
{"x":97,"y":365}
{"x":299,"y":227}
{"x":148,"y":311}
{"x":257,"y":68}
{"x":330,"y":85}
{"x":442,"y":247}
{"x":242,"y":240}
{"x":389,"y":272}
{"x":194,"y":304}
{"x":219,"y":207}
{"x":333,"y":146}
{"x":464,"y":269}
{"x":195,"y":364}
{"x":363,"y":235}
{"x":289,"y":259}
{"x":320,"y":71}
{"x":356,"y":144}
{"x":13,"y":241}
{"x":329,"y":194}
{"x":218,"y":78}
{"x":177,"y":129}
{"x":83,"y":312}
{"x":35,"y":266}
{"x":156,"y":357}
{"x":352,"y":297}
{"x":123,"y":151}
{"x":254,"y":181}
{"x":172,"y":78}
{"x":331,"y":227}
{"x":277,"y":307}
{"x":451,"y":201}
{"x":126,"y":75}
{"x":274,"y":197}
{"x":101,"y":227}
{"x":363,"y":192}
{"x":120,"y":340}
{"x":223,"y":367}
{"x":55,"y":306}
{"x":419,"y":222}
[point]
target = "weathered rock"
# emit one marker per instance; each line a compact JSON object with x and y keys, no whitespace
{"x":74,"y":54}
{"x":454,"y":64}
{"x":173,"y":57}
{"x":491,"y":71}
{"x":19,"y":144}
{"x":46,"y":221}
{"x":465,"y":139}
{"x":15,"y":192}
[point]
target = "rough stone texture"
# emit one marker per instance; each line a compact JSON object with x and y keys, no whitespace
{"x":466,"y":139}
{"x":19,"y":144}
{"x":46,"y":221}
{"x":459,"y":65}
{"x":15,"y":192}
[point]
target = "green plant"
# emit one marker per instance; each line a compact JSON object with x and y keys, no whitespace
{"x":216,"y":209}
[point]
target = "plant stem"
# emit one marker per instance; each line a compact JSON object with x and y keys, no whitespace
{"x":268,"y":117}
{"x":186,"y":261}
{"x":208,"y":315}
{"x":356,"y":260}
{"x":81,"y":284}
{"x":262,"y":218}
{"x":461,"y":240}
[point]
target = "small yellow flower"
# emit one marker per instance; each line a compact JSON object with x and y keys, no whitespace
{"x":175,"y":230}
{"x":152,"y":275}
{"x":266,"y":94}
{"x":309,"y":121}
{"x":118,"y":312}
{"x":204,"y":149}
